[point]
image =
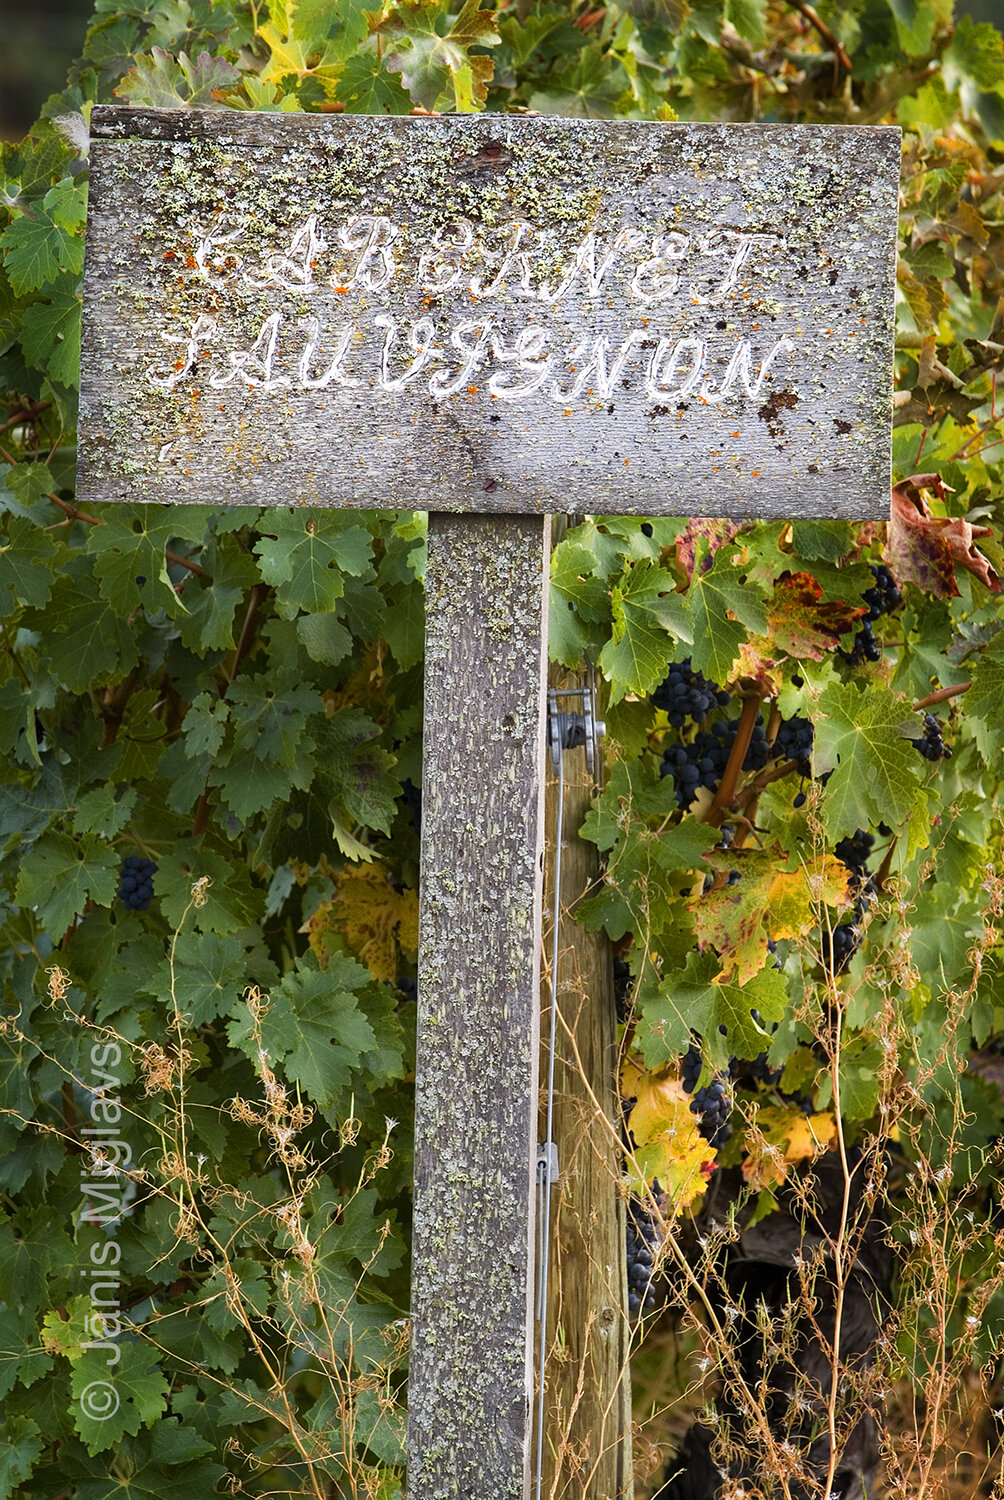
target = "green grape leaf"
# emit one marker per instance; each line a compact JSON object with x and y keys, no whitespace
{"x":313,"y":1027}
{"x":578,"y":599}
{"x":39,"y":1250}
{"x":875,"y":771}
{"x":28,"y":556}
{"x":50,"y":334}
{"x":860,"y":1073}
{"x":210,"y":602}
{"x":37,"y":251}
{"x":103,"y":812}
{"x":29,"y":483}
{"x":431,"y":49}
{"x":644,"y":856}
{"x":749,"y":19}
{"x":22,"y":1360}
{"x":366,"y":88}
{"x":228,"y":902}
{"x":304,"y":554}
{"x":722,"y":603}
{"x":984,"y":703}
{"x":695,"y":999}
{"x":135,"y":1386}
{"x":84,"y":634}
{"x":203,"y":977}
{"x":163,"y":81}
{"x":20,"y":1446}
{"x":60,"y":874}
{"x":649,"y":619}
{"x":130,"y":545}
{"x":67,"y":202}
{"x":976,"y":52}
{"x":589,"y":87}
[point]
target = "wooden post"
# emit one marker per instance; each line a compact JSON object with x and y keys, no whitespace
{"x":587,"y":1425}
{"x":479,"y":970}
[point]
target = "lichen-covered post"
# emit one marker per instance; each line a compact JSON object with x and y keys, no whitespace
{"x":479,"y":969}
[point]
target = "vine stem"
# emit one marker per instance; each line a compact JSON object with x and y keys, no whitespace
{"x":831,"y":40}
{"x":22,"y":673}
{"x":942,"y":695}
{"x":185,"y":562}
{"x":73,"y":514}
{"x":25,"y":414}
{"x":740,"y":745}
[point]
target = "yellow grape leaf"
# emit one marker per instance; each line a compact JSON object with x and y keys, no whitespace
{"x":374,"y":919}
{"x":768,"y":901}
{"x":668,"y":1144}
{"x":780,"y":1138}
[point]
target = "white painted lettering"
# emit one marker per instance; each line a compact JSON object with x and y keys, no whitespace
{"x":334,"y":373}
{"x":421,"y":341}
{"x":254,"y":365}
{"x":474,"y":355}
{"x":440,"y":269}
{"x":203,"y":330}
{"x":531,"y":358}
{"x":740,"y":367}
{"x":294,"y":269}
{"x":659,"y":380}
{"x":588,"y":359}
{"x":372,"y":235}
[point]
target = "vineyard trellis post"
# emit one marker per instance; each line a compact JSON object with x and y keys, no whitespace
{"x":495,"y":318}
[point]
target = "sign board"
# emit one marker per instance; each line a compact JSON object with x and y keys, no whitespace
{"x":505,"y":317}
{"x":489,"y":313}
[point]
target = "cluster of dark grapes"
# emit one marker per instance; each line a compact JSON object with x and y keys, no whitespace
{"x":687,"y":694}
{"x":932,"y":746}
{"x":793,"y":741}
{"x":703,"y":762}
{"x":643,"y":1240}
{"x":136,"y":884}
{"x":712,"y":1103}
{"x":882,"y":598}
{"x":622,"y":987}
{"x":839,"y":949}
{"x":411,"y":796}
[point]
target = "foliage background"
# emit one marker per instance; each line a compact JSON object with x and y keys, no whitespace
{"x":242,"y":704}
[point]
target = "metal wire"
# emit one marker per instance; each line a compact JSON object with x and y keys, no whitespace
{"x":544,"y":1227}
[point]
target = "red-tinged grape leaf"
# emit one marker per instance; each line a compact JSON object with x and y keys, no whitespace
{"x":164,"y":81}
{"x":781,"y":1137}
{"x":767,"y":901}
{"x":925,"y":549}
{"x":800,"y":624}
{"x":712,"y":533}
{"x":667,"y":1142}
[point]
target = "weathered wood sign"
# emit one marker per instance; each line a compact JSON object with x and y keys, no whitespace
{"x":490,"y":313}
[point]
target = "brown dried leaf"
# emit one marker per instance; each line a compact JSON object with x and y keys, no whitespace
{"x":925,"y":549}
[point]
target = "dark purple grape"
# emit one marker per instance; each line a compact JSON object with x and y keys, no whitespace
{"x":136,"y":885}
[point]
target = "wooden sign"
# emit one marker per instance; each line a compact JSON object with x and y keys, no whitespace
{"x":489,"y":313}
